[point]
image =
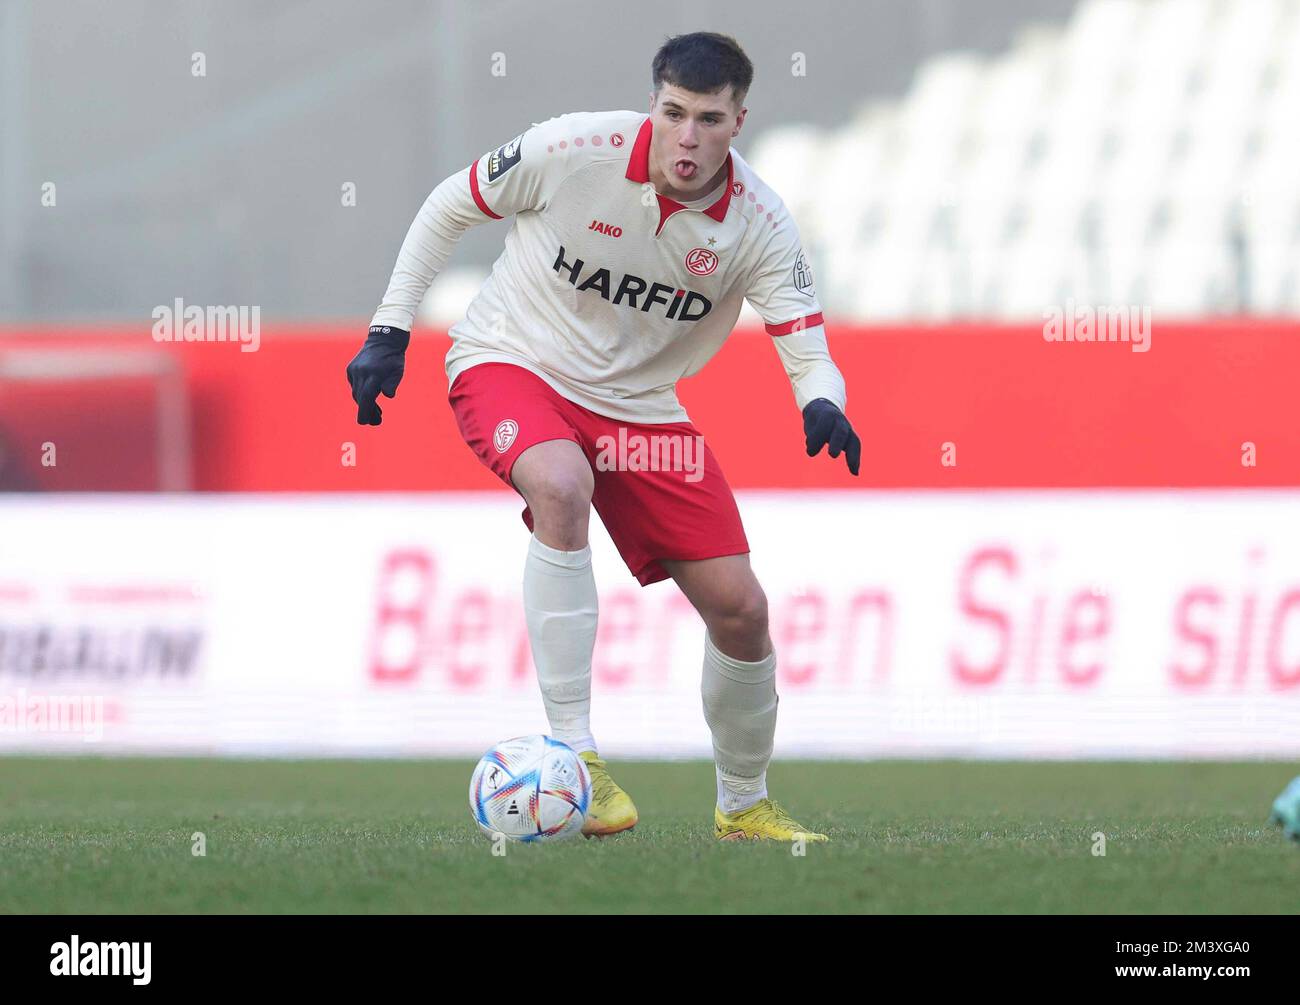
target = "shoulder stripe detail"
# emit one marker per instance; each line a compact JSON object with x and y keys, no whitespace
{"x":800,"y":324}
{"x":478,"y":196}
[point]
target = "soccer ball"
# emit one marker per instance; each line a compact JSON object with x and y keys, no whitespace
{"x":531,"y":788}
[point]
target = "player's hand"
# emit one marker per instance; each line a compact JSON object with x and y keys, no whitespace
{"x":825,"y":425}
{"x":377,"y":367}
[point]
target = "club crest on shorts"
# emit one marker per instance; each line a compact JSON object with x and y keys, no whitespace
{"x":701,"y":261}
{"x":504,"y":435}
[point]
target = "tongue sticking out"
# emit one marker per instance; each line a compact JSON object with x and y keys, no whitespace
{"x":684,"y":169}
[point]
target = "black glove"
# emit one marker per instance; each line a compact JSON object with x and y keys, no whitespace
{"x":377,"y":367}
{"x":824,"y":424}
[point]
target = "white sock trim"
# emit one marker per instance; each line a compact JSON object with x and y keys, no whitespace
{"x":739,"y":670}
{"x":568,"y":560}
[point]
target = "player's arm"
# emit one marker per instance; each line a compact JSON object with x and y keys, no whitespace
{"x":781,"y":290}
{"x":517,"y":176}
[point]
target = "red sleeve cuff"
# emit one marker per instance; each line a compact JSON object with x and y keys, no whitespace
{"x":799,"y":324}
{"x":478,"y":196}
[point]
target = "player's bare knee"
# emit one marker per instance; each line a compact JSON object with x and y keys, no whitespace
{"x":739,"y":626}
{"x":560,"y":501}
{"x":555,"y":462}
{"x":556,"y":480}
{"x":562,"y":494}
{"x":751,"y":616}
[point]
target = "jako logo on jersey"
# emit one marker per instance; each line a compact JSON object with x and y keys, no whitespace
{"x":605,"y":228}
{"x":506,"y":431}
{"x":803,"y":281}
{"x":701,"y":261}
{"x":684,"y":305}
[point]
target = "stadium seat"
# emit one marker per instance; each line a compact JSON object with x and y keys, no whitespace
{"x":1145,"y":149}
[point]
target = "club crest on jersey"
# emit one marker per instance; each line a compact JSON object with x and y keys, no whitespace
{"x":701,"y":261}
{"x":803,"y":280}
{"x":504,"y":435}
{"x":738,"y":189}
{"x":505,"y":157}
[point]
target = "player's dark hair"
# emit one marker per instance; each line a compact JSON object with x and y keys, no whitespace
{"x":704,"y":62}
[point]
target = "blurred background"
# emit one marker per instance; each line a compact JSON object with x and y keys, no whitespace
{"x":1078,"y":546}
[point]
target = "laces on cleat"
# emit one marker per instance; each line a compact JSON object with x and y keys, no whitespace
{"x":773,"y":814}
{"x":770,"y":813}
{"x":603,"y":788}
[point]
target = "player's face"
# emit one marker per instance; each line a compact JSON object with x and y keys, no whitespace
{"x":692,"y":135}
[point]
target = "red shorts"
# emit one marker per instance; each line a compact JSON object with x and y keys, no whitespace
{"x":681,"y":508}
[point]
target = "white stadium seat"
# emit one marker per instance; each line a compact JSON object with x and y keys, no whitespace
{"x":1144,"y":153}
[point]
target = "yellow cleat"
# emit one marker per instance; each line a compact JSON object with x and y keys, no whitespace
{"x":765,"y":820}
{"x":611,"y":809}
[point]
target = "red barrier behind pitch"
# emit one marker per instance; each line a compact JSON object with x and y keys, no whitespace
{"x":1018,"y":411}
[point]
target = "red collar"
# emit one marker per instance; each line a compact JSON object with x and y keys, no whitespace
{"x":638,"y":170}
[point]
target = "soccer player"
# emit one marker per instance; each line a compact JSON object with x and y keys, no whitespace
{"x":635,"y":239}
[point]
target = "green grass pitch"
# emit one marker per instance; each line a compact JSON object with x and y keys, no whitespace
{"x":107,"y":836}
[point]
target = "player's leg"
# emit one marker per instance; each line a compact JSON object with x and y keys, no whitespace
{"x":520,"y":428}
{"x":738,"y":687}
{"x":739,"y":679}
{"x":681,"y":520}
{"x":529,"y":437}
{"x":560,"y":605}
{"x":555,"y":478}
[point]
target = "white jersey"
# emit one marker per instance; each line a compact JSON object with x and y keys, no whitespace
{"x":607,"y":290}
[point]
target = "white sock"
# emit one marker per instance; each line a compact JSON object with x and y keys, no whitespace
{"x":740,"y":707}
{"x":560,"y":609}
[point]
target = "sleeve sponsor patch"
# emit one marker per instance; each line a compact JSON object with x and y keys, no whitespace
{"x":803,"y":278}
{"x":504,"y":158}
